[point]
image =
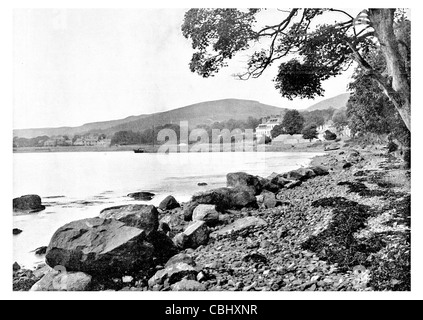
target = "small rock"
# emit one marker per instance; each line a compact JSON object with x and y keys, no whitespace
{"x":127,"y":279}
{"x":293,"y":184}
{"x":206,"y":213}
{"x":17,"y":231}
{"x":172,"y":274}
{"x":347,"y":165}
{"x":63,"y":281}
{"x":181,"y":240}
{"x":201,"y":184}
{"x":188,"y":285}
{"x":181,"y":257}
{"x":197,"y":233}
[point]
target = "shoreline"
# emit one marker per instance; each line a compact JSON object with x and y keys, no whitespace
{"x":155,"y":149}
{"x":296,"y":237}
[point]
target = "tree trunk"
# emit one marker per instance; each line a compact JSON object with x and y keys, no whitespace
{"x":396,"y":85}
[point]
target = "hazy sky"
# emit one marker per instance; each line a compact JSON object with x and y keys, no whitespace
{"x":85,"y":65}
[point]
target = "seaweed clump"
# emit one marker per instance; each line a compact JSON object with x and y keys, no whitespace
{"x":337,"y":243}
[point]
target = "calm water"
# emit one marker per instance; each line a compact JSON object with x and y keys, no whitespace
{"x":79,"y":185}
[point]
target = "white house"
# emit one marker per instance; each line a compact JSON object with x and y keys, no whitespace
{"x":265,"y":129}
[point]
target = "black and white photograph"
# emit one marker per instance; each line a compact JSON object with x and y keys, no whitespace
{"x":217,"y":150}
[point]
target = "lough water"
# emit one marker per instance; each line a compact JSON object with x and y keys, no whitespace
{"x":77,"y":185}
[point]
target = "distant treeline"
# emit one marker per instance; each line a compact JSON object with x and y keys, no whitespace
{"x":149,"y":136}
{"x":33,"y":142}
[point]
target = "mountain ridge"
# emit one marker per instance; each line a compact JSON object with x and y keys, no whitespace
{"x":205,"y":112}
{"x":195,"y":114}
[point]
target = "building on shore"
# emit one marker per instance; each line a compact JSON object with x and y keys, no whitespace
{"x":265,"y":129}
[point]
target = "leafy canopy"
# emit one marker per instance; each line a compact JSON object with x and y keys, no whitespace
{"x":293,"y":122}
{"x":321,"y":51}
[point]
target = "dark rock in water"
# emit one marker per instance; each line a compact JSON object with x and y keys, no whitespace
{"x":164,"y":248}
{"x":98,"y":247}
{"x":197,"y":233}
{"x":17,"y":231}
{"x":143,"y":196}
{"x":189,"y":210}
{"x":242,"y":179}
{"x":40,"y":251}
{"x":181,"y":257}
{"x":201,"y":184}
{"x":63,"y":281}
{"x":16,"y":267}
{"x":188,"y":285}
{"x":169,"y":203}
{"x":30,"y":203}
{"x":227,"y":198}
{"x":141,"y":216}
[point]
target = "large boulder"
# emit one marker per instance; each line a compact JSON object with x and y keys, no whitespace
{"x":175,"y":222}
{"x":164,"y":248}
{"x":306,"y":173}
{"x":197,"y":234}
{"x":169,"y":203}
{"x":301,"y":174}
{"x":227,"y":198}
{"x":320,"y":170}
{"x":240,"y":225}
{"x":63,"y":281}
{"x":30,"y":203}
{"x":279,"y":180}
{"x":139,"y":216}
{"x":268,"y":185}
{"x":242,"y":179}
{"x":188,"y":210}
{"x":173,"y":274}
{"x":100,"y":247}
{"x":206,"y":213}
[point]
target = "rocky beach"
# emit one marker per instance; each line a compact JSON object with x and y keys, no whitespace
{"x":341,"y":224}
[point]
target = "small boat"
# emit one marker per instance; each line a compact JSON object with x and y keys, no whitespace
{"x":139,"y":150}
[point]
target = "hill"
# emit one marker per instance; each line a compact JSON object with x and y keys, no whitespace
{"x":337,"y":102}
{"x":199,"y":113}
